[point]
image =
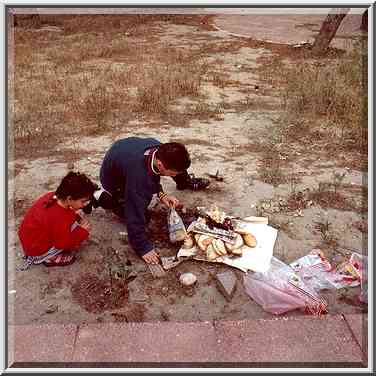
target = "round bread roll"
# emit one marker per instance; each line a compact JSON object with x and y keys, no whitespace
{"x":211,"y":254}
{"x":238,"y":243}
{"x":237,"y":251}
{"x":219,"y":247}
{"x":203,"y":242}
{"x":250,"y":240}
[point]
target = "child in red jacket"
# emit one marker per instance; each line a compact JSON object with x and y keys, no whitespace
{"x":52,"y":228}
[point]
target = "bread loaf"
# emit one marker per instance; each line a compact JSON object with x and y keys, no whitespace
{"x":238,"y":243}
{"x":219,"y":247}
{"x":250,"y":240}
{"x":211,"y":254}
{"x":203,"y":242}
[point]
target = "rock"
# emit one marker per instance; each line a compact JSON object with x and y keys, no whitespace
{"x":52,"y":308}
{"x":187,"y":279}
{"x":226,"y":283}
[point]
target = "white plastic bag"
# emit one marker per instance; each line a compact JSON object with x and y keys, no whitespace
{"x":176,"y":227}
{"x":280,"y":290}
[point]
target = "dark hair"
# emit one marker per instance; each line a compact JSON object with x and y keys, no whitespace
{"x":75,"y":185}
{"x":174,"y":156}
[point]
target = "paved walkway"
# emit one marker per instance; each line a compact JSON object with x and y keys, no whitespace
{"x":305,"y":341}
{"x":288,"y":28}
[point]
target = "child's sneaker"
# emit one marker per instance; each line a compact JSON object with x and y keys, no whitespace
{"x":101,"y":198}
{"x":62,"y":259}
{"x":194,"y":184}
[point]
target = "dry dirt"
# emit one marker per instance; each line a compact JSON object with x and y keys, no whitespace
{"x":87,"y":291}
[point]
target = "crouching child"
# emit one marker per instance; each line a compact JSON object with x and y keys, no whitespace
{"x":52,"y":231}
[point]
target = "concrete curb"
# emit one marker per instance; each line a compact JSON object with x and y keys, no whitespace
{"x":304,"y":341}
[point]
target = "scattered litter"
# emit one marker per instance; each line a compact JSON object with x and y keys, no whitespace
{"x":302,"y":44}
{"x":156,"y":270}
{"x":216,"y":175}
{"x":280,"y":289}
{"x":176,"y":226}
{"x":187,"y":279}
{"x":317,"y":271}
{"x":364,"y":282}
{"x":169,"y":262}
{"x":226,"y":283}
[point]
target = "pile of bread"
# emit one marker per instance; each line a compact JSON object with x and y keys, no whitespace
{"x":214,"y":248}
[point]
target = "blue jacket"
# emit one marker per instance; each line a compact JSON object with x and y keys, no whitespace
{"x":124,"y":173}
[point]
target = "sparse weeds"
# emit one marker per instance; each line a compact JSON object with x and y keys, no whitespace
{"x":324,"y":228}
{"x":64,"y":88}
{"x":273,"y":175}
{"x":161,"y":85}
{"x":327,"y":195}
{"x":361,"y":225}
{"x":203,"y":111}
{"x":337,"y":180}
{"x":333,"y":91}
{"x":329,"y":199}
{"x":271,"y":171}
{"x":96,"y":107}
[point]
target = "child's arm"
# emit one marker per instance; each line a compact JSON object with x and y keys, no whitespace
{"x":67,"y":239}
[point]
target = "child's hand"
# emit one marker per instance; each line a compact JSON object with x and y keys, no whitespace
{"x":85,"y":224}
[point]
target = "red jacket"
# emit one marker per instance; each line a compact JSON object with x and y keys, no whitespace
{"x":43,"y":228}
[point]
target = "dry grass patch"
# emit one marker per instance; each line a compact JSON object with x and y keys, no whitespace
{"x":334,"y":200}
{"x":96,"y":78}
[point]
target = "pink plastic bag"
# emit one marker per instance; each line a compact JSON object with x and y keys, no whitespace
{"x":280,"y":290}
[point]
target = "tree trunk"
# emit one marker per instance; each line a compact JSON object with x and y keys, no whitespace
{"x":364,"y":25}
{"x":328,"y":30}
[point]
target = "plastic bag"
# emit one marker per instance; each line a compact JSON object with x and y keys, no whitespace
{"x":280,"y":290}
{"x":315,"y":270}
{"x":364,"y":281}
{"x":176,"y":227}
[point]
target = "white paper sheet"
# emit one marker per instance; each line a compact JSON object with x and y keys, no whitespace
{"x":256,"y":259}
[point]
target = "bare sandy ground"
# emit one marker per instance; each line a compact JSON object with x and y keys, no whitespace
{"x":217,"y":144}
